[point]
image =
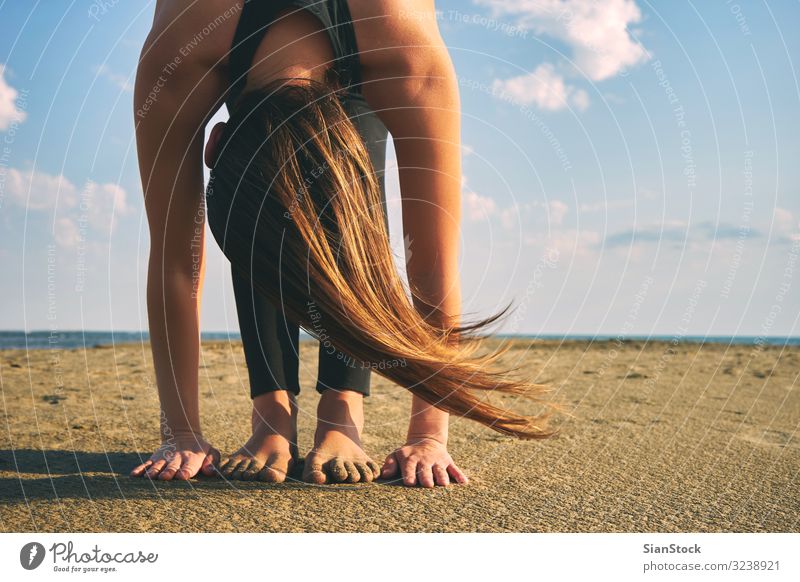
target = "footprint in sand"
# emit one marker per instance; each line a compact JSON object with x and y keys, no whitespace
{"x":770,"y":438}
{"x":635,"y":375}
{"x":53,"y":398}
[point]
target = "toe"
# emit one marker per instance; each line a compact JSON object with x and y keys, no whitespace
{"x":241,"y":468}
{"x":271,"y":474}
{"x":223,"y":466}
{"x":353,"y":476}
{"x":314,"y":473}
{"x":337,"y":470}
{"x":374,"y":468}
{"x":229,"y":467}
{"x":364,"y":472}
{"x":253,"y":470}
{"x":275,"y":470}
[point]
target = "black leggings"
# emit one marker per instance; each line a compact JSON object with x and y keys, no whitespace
{"x":269,"y":340}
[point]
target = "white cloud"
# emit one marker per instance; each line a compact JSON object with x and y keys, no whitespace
{"x":103,"y":203}
{"x":580,"y":99}
{"x":543,"y":87}
{"x":66,"y":232}
{"x":9,"y":112}
{"x":557,"y":211}
{"x":606,"y":205}
{"x":121,"y":81}
{"x":699,"y":235}
{"x":786,"y":226}
{"x":568,"y":242}
{"x":478,"y":207}
{"x":511,"y":217}
{"x":95,"y":205}
{"x":784,"y":220}
{"x":40,"y":191}
{"x":597,"y":32}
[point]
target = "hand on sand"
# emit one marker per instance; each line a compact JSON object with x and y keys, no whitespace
{"x":179,"y":458}
{"x":423,"y":461}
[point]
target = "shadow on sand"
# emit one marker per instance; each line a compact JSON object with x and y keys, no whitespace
{"x":93,"y":475}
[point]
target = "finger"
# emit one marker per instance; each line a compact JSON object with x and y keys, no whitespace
{"x":390,"y":467}
{"x":409,"y":473}
{"x":440,"y":476}
{"x":353,"y":476}
{"x":375,"y":468}
{"x":139,"y":469}
{"x":425,"y":475}
{"x":155,"y":468}
{"x":337,"y":470}
{"x":189,"y":468}
{"x":364,"y":472}
{"x":457,"y":474}
{"x":210,"y":462}
{"x":313,"y":473}
{"x":171,"y":468}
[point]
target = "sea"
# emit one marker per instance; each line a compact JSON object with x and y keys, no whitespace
{"x":38,"y":340}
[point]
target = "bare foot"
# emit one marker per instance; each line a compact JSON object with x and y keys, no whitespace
{"x":337,"y":456}
{"x":271,"y":452}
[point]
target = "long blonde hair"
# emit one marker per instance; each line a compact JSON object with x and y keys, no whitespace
{"x":295,"y":205}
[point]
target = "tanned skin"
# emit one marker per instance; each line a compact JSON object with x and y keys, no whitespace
{"x":410,"y":82}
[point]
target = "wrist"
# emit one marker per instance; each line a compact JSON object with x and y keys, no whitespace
{"x":422,"y":438}
{"x":169,"y":434}
{"x":427,"y":422}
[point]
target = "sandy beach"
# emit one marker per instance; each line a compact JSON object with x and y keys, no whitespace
{"x":674,"y":439}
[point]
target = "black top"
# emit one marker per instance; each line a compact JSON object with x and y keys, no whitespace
{"x":258,"y":15}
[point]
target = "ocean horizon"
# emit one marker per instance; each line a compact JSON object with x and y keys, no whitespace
{"x":44,"y":339}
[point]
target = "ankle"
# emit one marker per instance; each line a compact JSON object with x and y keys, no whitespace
{"x":278,"y":409}
{"x":276,"y":400}
{"x":347,"y":396}
{"x":340,"y":410}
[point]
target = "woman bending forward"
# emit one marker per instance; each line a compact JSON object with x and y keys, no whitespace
{"x":296,"y":201}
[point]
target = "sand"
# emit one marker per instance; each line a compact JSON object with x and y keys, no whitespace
{"x":675,"y":439}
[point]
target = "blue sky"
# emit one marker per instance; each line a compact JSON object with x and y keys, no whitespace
{"x":629,"y":167}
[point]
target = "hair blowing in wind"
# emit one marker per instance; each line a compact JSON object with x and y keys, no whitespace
{"x":295,"y":205}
